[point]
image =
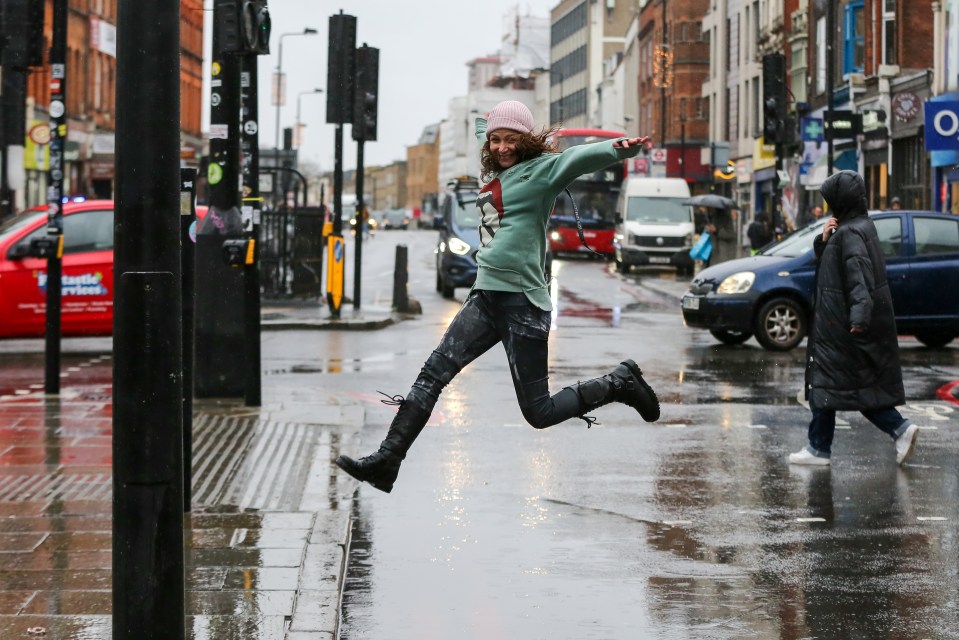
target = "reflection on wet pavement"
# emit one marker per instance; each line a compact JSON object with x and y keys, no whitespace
{"x":265,"y":500}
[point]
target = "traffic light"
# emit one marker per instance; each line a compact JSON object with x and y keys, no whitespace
{"x":340,"y":69}
{"x":774,"y":97}
{"x":366,"y":85}
{"x":263,"y":25}
{"x":23,"y":40}
{"x":242,"y":26}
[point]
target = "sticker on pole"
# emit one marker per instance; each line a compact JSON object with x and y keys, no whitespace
{"x":249,"y":127}
{"x":214,"y":173}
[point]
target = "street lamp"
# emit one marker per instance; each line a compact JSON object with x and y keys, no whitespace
{"x":296,"y":130}
{"x":308,"y":31}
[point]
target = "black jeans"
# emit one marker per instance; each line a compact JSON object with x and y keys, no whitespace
{"x":823,"y":426}
{"x":488,"y":317}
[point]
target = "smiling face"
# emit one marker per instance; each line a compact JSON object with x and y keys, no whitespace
{"x":502,"y":146}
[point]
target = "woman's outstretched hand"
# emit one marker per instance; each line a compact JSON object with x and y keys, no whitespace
{"x":634,"y":142}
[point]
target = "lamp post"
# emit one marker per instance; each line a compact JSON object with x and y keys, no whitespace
{"x":308,"y":31}
{"x":296,"y":130}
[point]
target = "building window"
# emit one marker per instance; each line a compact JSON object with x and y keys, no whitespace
{"x":568,"y":65}
{"x":569,"y":24}
{"x":854,"y":38}
{"x":889,"y":33}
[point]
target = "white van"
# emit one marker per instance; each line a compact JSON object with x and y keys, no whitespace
{"x":654,"y":227}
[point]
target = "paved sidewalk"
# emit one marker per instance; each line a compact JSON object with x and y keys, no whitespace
{"x":265,"y":541}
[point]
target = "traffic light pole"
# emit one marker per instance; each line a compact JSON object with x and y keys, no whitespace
{"x":188,"y":268}
{"x":58,"y":125}
{"x":360,"y":209}
{"x":148,"y":551}
{"x":252,"y":203}
{"x":339,"y":110}
{"x":365,"y":90}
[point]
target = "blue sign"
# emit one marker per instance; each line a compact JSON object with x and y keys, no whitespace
{"x":942,"y":125}
{"x":813,"y":130}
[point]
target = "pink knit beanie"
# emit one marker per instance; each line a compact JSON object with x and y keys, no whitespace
{"x":509,"y":114}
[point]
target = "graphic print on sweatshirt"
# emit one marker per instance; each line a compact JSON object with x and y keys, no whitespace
{"x":490,"y":204}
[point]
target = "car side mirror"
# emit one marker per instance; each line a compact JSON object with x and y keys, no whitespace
{"x":19,"y":251}
{"x":44,"y":247}
{"x":438,"y":222}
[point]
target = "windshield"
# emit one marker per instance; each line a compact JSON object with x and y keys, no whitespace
{"x":596,"y":203}
{"x":645,"y":209}
{"x":20,"y":220}
{"x":796,"y":243}
{"x":465,"y":213}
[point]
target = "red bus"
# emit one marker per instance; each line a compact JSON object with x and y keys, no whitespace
{"x":596,"y":195}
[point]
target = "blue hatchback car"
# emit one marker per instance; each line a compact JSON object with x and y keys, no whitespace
{"x":770,"y":295}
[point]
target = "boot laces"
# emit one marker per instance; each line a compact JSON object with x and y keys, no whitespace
{"x":589,"y":420}
{"x":393,"y":401}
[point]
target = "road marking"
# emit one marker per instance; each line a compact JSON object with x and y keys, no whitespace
{"x":677,"y":523}
{"x":757,"y":426}
{"x":678,"y":425}
{"x":931,"y":519}
{"x":810,"y":519}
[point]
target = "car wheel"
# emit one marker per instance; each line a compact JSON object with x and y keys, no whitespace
{"x":781,"y":324}
{"x":934,"y":339}
{"x":731,"y":337}
{"x":622,"y":267}
{"x":446,"y":290}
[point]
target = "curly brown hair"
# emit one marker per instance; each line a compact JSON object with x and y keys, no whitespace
{"x":530,"y":145}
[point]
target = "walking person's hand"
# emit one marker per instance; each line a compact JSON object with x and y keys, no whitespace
{"x":831,"y":225}
{"x":633,"y":142}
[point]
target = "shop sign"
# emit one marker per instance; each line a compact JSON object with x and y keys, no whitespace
{"x":942,"y":125}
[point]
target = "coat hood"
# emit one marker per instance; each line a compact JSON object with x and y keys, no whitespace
{"x":845,"y":193}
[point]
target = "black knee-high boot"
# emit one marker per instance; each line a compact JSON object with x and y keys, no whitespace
{"x":623,"y":384}
{"x":381,"y":467}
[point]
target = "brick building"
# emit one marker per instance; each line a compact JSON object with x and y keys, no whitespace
{"x":422,"y":176}
{"x":673,"y":64}
{"x":91,"y":98}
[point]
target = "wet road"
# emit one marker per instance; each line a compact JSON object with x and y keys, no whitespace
{"x":690,"y":528}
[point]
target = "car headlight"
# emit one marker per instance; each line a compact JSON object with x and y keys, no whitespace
{"x":459,"y":247}
{"x":736,"y":283}
{"x":554,"y":236}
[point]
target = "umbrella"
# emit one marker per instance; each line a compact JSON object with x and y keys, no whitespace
{"x":712,"y":201}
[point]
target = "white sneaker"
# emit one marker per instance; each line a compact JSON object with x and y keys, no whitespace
{"x":906,"y":443}
{"x":803,"y":456}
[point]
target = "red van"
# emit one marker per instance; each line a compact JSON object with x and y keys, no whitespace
{"x":87,"y":284}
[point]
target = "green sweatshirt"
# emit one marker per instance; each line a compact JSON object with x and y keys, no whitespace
{"x":515,"y":207}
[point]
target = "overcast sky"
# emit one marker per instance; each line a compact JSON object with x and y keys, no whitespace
{"x":424,"y":46}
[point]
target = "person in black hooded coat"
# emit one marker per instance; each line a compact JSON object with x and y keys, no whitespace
{"x":852,"y":357}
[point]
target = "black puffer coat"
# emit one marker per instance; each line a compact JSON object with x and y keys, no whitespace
{"x":845,"y":370}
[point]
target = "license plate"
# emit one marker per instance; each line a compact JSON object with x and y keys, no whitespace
{"x":691,"y":303}
{"x":658,"y":260}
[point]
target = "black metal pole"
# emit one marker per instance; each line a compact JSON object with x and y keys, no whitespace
{"x":252,"y":203}
{"x":148,"y":550}
{"x":58,"y":123}
{"x":662,"y":89}
{"x":830,"y":78}
{"x":338,"y":181}
{"x":360,"y":210}
{"x":334,"y":297}
{"x":187,"y":266}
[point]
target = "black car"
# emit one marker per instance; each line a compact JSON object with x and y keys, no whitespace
{"x":769,"y":295}
{"x":458,"y":241}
